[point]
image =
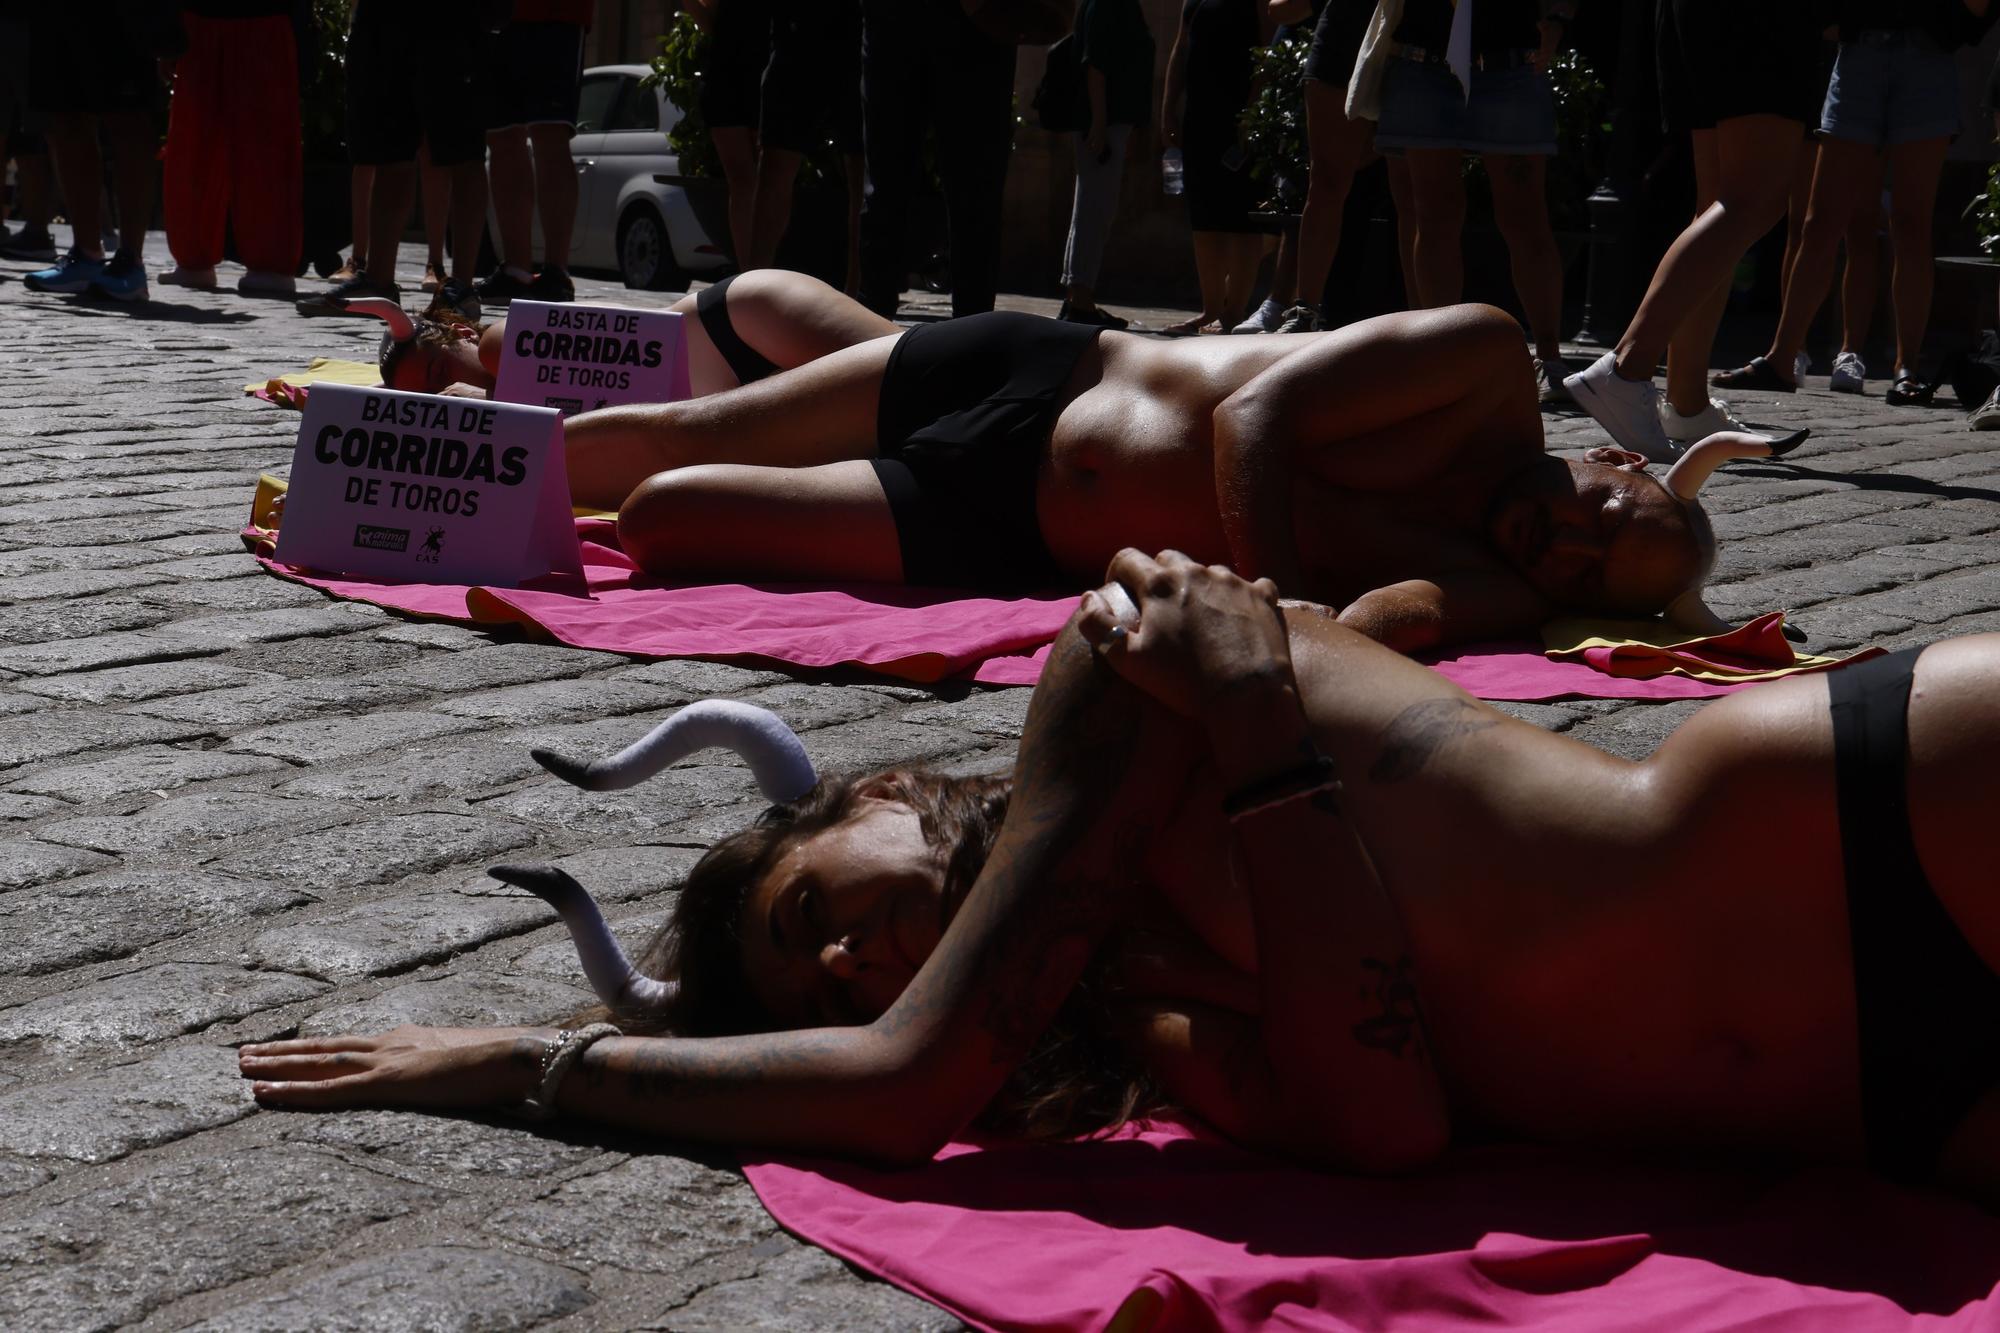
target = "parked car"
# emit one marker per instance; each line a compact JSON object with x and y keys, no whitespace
{"x":631,"y":218}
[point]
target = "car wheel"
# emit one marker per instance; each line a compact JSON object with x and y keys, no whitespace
{"x":645,"y":256}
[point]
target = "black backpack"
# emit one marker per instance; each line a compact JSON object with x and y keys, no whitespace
{"x":1974,"y":370}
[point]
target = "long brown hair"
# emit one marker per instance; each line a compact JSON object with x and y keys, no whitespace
{"x":1078,"y":1079}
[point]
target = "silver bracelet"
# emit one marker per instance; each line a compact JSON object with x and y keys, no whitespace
{"x":561,"y":1055}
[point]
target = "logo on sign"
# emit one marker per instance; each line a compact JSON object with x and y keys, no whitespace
{"x":433,"y":546}
{"x":371,"y":538}
{"x":566,"y":404}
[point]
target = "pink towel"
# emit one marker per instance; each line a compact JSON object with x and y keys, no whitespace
{"x":1182,"y":1232}
{"x":923,"y":634}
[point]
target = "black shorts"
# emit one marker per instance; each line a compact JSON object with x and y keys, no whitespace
{"x":1336,"y":42}
{"x":1716,"y":63}
{"x":413,"y":77}
{"x":732,"y":64}
{"x":963,"y":425}
{"x":812,"y":87}
{"x":535,"y":71}
{"x":85,"y":67}
{"x":1926,"y":1004}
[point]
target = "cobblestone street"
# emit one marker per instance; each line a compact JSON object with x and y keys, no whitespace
{"x":237,"y":810}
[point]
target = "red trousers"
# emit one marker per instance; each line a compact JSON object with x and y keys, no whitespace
{"x":233,"y":145}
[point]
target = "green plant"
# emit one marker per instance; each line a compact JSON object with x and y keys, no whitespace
{"x":1273,"y":125}
{"x":1984,"y":210}
{"x":1582,"y":136}
{"x":323,"y":82}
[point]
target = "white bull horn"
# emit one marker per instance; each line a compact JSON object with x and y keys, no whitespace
{"x":401,"y":327}
{"x":619,"y":984}
{"x":1686,"y":477}
{"x":777,"y":760}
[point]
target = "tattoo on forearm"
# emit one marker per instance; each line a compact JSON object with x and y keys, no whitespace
{"x":1417,"y":733}
{"x":1393,"y":988}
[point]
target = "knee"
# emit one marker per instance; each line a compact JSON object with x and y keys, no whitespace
{"x":1910,"y":224}
{"x":669,"y":515}
{"x":1439,"y":210}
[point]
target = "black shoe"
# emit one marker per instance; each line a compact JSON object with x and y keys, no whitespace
{"x":499,"y":287}
{"x":30,"y":243}
{"x":1758,"y":375}
{"x":1096,"y":318}
{"x":554,"y":285}
{"x":333,"y":301}
{"x":458,"y":298}
{"x":1911,"y":391}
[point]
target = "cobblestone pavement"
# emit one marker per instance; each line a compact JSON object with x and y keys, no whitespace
{"x":236,"y":810}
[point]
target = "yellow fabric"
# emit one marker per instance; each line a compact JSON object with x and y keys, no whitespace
{"x":1683,"y":655}
{"x":328,"y":369}
{"x":265,"y":511}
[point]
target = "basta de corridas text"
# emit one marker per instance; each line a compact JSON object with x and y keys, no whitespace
{"x":599,"y":353}
{"x":439,"y":456}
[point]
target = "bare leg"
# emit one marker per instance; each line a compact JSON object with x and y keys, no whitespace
{"x":468,"y":219}
{"x":1339,"y":148}
{"x":137,"y":150}
{"x":1755,"y":156}
{"x":1845,"y":172}
{"x":777,"y":170}
{"x":512,"y":175}
{"x":434,"y":189}
{"x":360,"y":197}
{"x":555,"y":191}
{"x":1863,"y":276}
{"x":388,"y":213}
{"x":1437,"y":193}
{"x":31,"y":179}
{"x":736,"y":145}
{"x":1797,"y":199}
{"x":787,"y":318}
{"x":1521,"y":207}
{"x":831,"y":521}
{"x":1913,"y":181}
{"x":79,"y":166}
{"x":821,"y":412}
{"x":1687,"y":351}
{"x":1246,"y":250}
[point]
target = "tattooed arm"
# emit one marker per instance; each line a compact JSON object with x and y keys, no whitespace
{"x":1335,"y":1068}
{"x":1098,"y":768}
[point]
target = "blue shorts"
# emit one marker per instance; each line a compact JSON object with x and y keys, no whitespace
{"x":1890,"y":88}
{"x":1511,"y":110}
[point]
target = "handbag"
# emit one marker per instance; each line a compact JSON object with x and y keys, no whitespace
{"x":1364,"y":91}
{"x":1061,"y":102}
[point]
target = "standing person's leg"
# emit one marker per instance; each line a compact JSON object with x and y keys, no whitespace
{"x":555,"y":198}
{"x":511,"y":179}
{"x":1687,"y":350}
{"x":1091,"y":214}
{"x":736,"y":147}
{"x":60,"y":80}
{"x":1521,"y":208}
{"x":1437,"y":198}
{"x":1402,"y":196}
{"x":771,"y":215}
{"x":1914,"y":169}
{"x":265,"y":189}
{"x":973,"y":91}
{"x":384,"y":129}
{"x":195,"y":168}
{"x":1246,"y":251}
{"x":360,"y":207}
{"x":453,"y":109}
{"x":1339,"y":147}
{"x":434,"y":194}
{"x":894,"y":114}
{"x":1860,"y":281}
{"x":79,"y":170}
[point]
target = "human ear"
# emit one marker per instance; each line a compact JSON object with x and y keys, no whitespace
{"x":1618,"y":458}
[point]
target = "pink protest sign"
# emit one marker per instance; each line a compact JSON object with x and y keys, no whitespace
{"x":428,"y":489}
{"x":577,"y":358}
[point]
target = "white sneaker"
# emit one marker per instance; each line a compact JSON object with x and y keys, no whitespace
{"x":202,"y":279}
{"x":1850,"y":374}
{"x":261,"y":282}
{"x":1686,"y":430}
{"x":1628,"y":409}
{"x":1986,"y":416}
{"x":1801,"y":367}
{"x":1265,"y":319}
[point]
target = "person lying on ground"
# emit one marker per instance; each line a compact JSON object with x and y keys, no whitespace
{"x":1216,"y":881}
{"x":1393,"y":468}
{"x":743,"y":328}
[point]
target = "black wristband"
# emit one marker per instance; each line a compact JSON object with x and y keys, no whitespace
{"x":1314,"y":776}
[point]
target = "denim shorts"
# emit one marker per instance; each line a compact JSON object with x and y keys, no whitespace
{"x":1890,"y":88}
{"x":1511,"y":110}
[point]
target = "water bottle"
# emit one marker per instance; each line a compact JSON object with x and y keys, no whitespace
{"x":1170,"y":171}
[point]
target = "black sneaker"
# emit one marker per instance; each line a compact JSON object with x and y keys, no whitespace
{"x":30,"y":243}
{"x":333,"y":301}
{"x":499,"y":287}
{"x":1096,"y":318}
{"x":554,"y":285}
{"x":457,"y":297}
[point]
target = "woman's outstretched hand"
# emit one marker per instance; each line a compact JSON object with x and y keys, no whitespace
{"x":467,"y":1068}
{"x":1201,"y":633}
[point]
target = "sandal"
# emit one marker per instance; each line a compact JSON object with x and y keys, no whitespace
{"x":1187,"y":328}
{"x":1759,"y":375}
{"x":1910,"y":391}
